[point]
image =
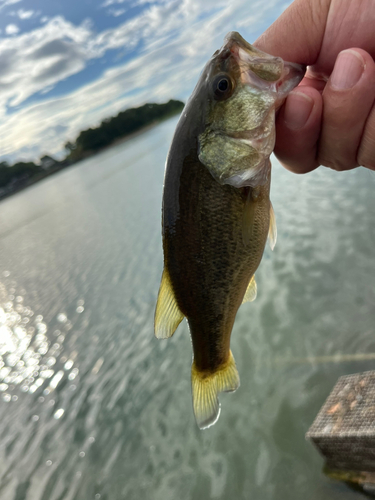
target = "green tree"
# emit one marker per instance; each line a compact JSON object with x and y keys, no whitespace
{"x":126,"y":122}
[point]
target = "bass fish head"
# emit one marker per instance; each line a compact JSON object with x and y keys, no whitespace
{"x":244,"y":87}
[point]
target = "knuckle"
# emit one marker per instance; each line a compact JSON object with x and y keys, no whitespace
{"x":366,"y":152}
{"x":367,"y":163}
{"x":338,"y":164}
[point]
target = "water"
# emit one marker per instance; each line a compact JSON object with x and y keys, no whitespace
{"x":92,"y":406}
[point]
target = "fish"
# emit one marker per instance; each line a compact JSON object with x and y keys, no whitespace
{"x":216,"y":210}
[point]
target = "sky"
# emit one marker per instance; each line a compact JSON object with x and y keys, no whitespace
{"x":65,"y":65}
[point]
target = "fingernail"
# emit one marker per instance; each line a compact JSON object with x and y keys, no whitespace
{"x":348,"y":69}
{"x":298,"y":108}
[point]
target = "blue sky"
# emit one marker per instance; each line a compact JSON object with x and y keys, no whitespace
{"x":67,"y":64}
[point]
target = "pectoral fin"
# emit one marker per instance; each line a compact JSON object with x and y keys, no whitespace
{"x":251,"y":291}
{"x":167,"y":314}
{"x":207,"y":386}
{"x":272,"y":232}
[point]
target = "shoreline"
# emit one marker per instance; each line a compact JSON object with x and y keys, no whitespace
{"x":133,"y":135}
{"x":58,"y":168}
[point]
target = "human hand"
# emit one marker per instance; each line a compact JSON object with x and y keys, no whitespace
{"x":329,"y":119}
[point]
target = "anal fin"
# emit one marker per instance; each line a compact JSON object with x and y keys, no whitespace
{"x":206,"y":388}
{"x":272,"y":231}
{"x":167,"y":314}
{"x":251,"y":291}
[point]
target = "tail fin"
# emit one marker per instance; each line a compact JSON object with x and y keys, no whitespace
{"x":206,"y":387}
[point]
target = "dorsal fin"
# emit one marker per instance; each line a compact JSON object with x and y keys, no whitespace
{"x":272,"y":231}
{"x":251,"y":291}
{"x":167,"y":313}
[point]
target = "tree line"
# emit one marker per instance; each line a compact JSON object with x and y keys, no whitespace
{"x":88,"y":142}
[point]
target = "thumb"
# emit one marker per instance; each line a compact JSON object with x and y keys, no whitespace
{"x":297,"y":34}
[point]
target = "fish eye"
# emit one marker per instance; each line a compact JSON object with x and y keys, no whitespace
{"x":222,"y":87}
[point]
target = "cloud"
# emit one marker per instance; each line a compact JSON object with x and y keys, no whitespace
{"x":177,"y":38}
{"x":40,"y":58}
{"x":21,"y":13}
{"x":155,"y":22}
{"x":4,"y":3}
{"x":107,"y":3}
{"x":24,"y":14}
{"x":12,"y":29}
{"x":58,"y":49}
{"x":116,"y":12}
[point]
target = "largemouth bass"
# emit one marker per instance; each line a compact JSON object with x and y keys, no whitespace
{"x":216,"y":209}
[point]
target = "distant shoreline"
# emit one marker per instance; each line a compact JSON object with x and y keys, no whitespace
{"x":54,"y":170}
{"x":112,"y":131}
{"x":133,"y":135}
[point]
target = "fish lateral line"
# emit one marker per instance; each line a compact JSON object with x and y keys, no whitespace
{"x":248,"y":219}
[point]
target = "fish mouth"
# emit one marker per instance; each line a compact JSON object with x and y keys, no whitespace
{"x":292,"y":75}
{"x":261,"y":70}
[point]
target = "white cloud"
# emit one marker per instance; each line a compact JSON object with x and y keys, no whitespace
{"x":107,"y":3}
{"x":21,"y":13}
{"x":4,"y":3}
{"x":24,"y":14}
{"x":12,"y":29}
{"x":116,"y":12}
{"x":177,"y":39}
{"x":40,"y":58}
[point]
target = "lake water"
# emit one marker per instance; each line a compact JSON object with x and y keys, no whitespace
{"x":92,"y":406}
